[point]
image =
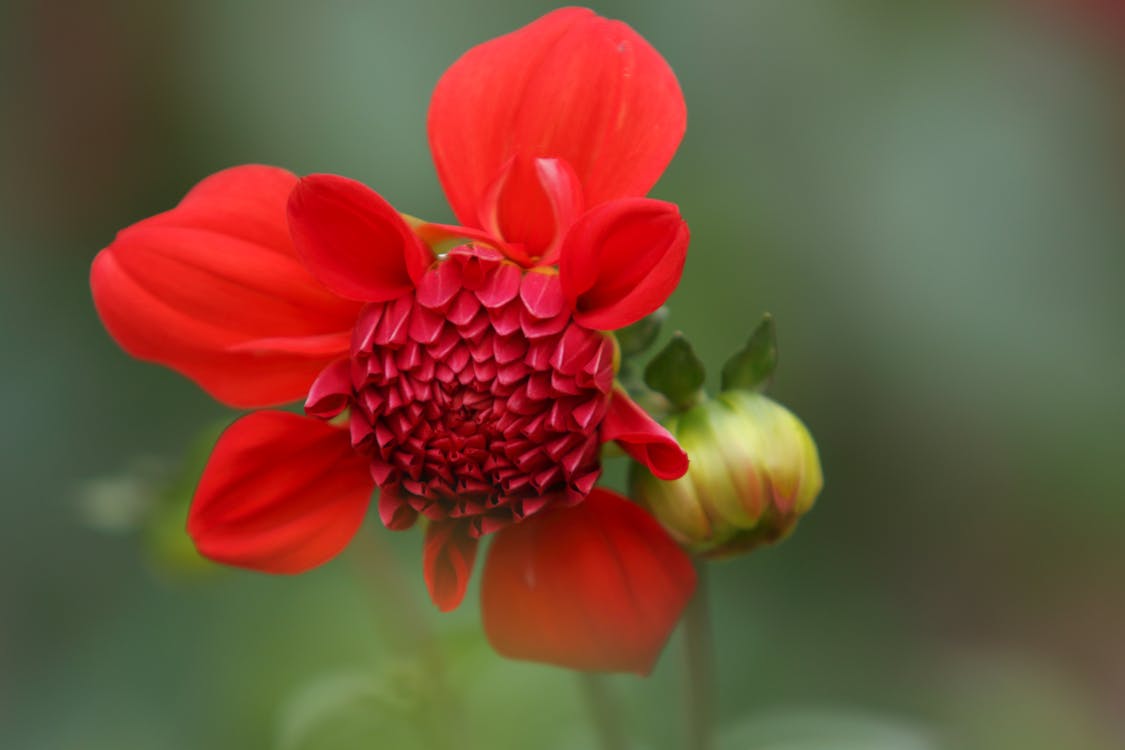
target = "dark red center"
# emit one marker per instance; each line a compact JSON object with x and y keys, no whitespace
{"x":478,"y":397}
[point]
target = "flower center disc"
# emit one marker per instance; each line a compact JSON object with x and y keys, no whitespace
{"x":478,"y":397}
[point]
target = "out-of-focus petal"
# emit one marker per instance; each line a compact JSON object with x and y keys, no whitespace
{"x":353,"y":241}
{"x":447,"y":562}
{"x":214,"y":290}
{"x":621,"y":260}
{"x":281,"y":493}
{"x":643,"y":438}
{"x":598,"y":586}
{"x":572,"y":86}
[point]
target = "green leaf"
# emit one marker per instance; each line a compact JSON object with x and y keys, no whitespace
{"x":637,"y":338}
{"x":750,"y":368}
{"x":677,"y":373}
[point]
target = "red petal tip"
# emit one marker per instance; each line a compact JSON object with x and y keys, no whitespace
{"x":447,"y":562}
{"x":643,"y":438}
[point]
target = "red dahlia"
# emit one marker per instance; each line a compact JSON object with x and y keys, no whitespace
{"x":471,"y":365}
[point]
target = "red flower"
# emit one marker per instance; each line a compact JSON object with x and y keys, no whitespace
{"x":478,"y":384}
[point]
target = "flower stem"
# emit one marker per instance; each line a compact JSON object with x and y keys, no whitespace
{"x":409,"y":633}
{"x":380,"y":572}
{"x":603,"y":711}
{"x":700,"y":658}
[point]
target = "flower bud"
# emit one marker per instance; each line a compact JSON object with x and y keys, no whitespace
{"x":754,"y":471}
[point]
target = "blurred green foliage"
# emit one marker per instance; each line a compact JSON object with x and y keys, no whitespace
{"x":927,"y":196}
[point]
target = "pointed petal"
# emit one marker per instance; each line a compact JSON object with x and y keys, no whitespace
{"x":643,"y":438}
{"x":331,"y":392}
{"x":500,"y":287}
{"x":353,"y":241}
{"x":447,"y":562}
{"x":214,"y":290}
{"x":395,"y":513}
{"x":281,"y":493}
{"x":542,"y":294}
{"x":571,"y":86}
{"x":598,"y":586}
{"x":621,"y":261}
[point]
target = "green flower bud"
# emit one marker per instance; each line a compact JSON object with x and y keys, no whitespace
{"x":754,"y":471}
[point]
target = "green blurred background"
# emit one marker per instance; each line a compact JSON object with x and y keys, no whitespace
{"x":928,"y":197}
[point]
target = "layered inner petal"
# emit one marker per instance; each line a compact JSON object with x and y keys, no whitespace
{"x":353,"y":241}
{"x":214,"y":290}
{"x":571,"y":86}
{"x":598,"y":586}
{"x":622,"y":260}
{"x":281,"y":493}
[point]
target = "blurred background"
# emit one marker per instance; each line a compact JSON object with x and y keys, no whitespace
{"x":926,"y":195}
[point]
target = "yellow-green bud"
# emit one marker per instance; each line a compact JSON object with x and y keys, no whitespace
{"x":754,"y":471}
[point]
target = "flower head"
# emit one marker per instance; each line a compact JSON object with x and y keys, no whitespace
{"x":471,"y":365}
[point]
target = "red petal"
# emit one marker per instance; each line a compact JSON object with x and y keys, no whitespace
{"x":570,"y":86}
{"x":622,"y":260}
{"x":353,"y":240}
{"x":599,"y":586}
{"x":564,"y":192}
{"x":447,"y":562}
{"x":643,"y":438}
{"x":281,"y":494}
{"x":331,"y":392}
{"x":541,"y":294}
{"x":395,"y":513}
{"x":501,"y":287}
{"x":214,"y":290}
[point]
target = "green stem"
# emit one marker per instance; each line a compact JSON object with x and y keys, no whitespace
{"x":409,"y":632}
{"x":378,"y":569}
{"x":700,"y":657}
{"x":603,"y":711}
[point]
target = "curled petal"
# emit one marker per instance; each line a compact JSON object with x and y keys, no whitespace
{"x":447,"y":562}
{"x":621,"y":261}
{"x":598,"y":586}
{"x":353,"y":241}
{"x":395,"y":513}
{"x":534,"y":210}
{"x":281,"y":494}
{"x":643,"y":438}
{"x":331,"y":392}
{"x":214,"y":290}
{"x":564,"y":192}
{"x":572,"y":86}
